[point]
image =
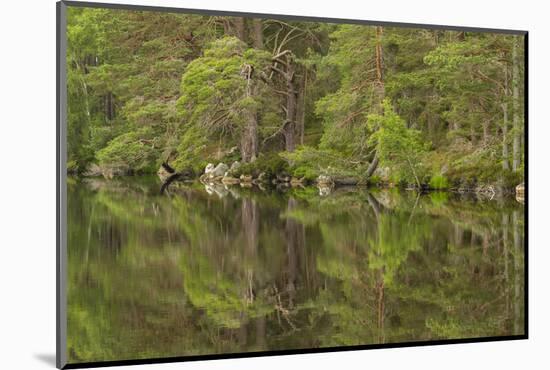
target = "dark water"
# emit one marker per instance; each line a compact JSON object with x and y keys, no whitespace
{"x":202,"y":271}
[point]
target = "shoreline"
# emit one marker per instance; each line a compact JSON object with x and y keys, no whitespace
{"x":487,"y":191}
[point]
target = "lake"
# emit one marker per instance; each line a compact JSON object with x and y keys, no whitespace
{"x":209,"y":270}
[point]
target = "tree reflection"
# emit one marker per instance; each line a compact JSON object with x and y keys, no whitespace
{"x":216,"y":271}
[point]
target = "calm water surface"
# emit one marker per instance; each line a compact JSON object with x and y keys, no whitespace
{"x":209,"y":270}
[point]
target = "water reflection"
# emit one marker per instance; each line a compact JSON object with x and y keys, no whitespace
{"x":225,"y":269}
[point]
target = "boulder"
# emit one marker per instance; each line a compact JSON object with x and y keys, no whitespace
{"x":520,"y":190}
{"x":325,"y":190}
{"x":345,"y":180}
{"x":93,"y":170}
{"x":246,"y":178}
{"x":216,"y":189}
{"x":219,"y":170}
{"x":520,"y":193}
{"x":283,"y":178}
{"x":163,"y":174}
{"x":229,"y":180}
{"x":324,"y":180}
{"x":383,"y":173}
{"x":297,"y":181}
{"x":209,"y":168}
{"x":235,"y":166}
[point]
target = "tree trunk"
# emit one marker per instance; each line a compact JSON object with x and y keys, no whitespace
{"x":249,"y":136}
{"x":257,"y":29}
{"x":301,"y":110}
{"x":486,"y":135}
{"x":505,"y":162}
{"x":379,"y":90}
{"x":516,"y":107}
{"x":290,"y":123}
{"x":372,"y":166}
{"x":108,"y":107}
{"x":240,"y":28}
{"x":379,"y":85}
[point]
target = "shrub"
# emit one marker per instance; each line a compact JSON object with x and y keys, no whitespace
{"x":439,"y":182}
{"x":130,"y":152}
{"x":306,"y":172}
{"x":374,"y":180}
{"x":72,"y":167}
{"x":271,"y":164}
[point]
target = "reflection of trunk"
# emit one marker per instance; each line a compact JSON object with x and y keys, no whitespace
{"x":381,"y":308}
{"x":261,"y":342}
{"x":505,"y":252}
{"x":375,"y":205}
{"x":459,"y":234}
{"x":251,"y":224}
{"x":485,"y":243}
{"x":517,"y":281}
{"x":515,"y":103}
{"x":294,"y":233}
{"x":243,"y":334}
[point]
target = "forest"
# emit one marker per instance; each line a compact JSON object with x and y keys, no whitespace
{"x":297,"y":101}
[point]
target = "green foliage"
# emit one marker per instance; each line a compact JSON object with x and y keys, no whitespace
{"x":198,"y":92}
{"x":271,"y":164}
{"x":191,"y":150}
{"x":215,"y":81}
{"x":439,"y":182}
{"x":133,"y":151}
{"x":311,"y":162}
{"x":398,"y":147}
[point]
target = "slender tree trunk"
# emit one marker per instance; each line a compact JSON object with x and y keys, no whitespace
{"x":516,"y":107}
{"x":301,"y":110}
{"x":505,"y":159}
{"x":372,"y":166}
{"x":240,"y":28}
{"x":108,"y":107}
{"x":379,"y":86}
{"x":290,"y":122}
{"x":485,"y":132}
{"x":249,"y":137}
{"x":257,"y":29}
{"x":379,"y":90}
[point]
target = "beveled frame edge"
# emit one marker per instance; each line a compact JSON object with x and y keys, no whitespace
{"x":61,"y":187}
